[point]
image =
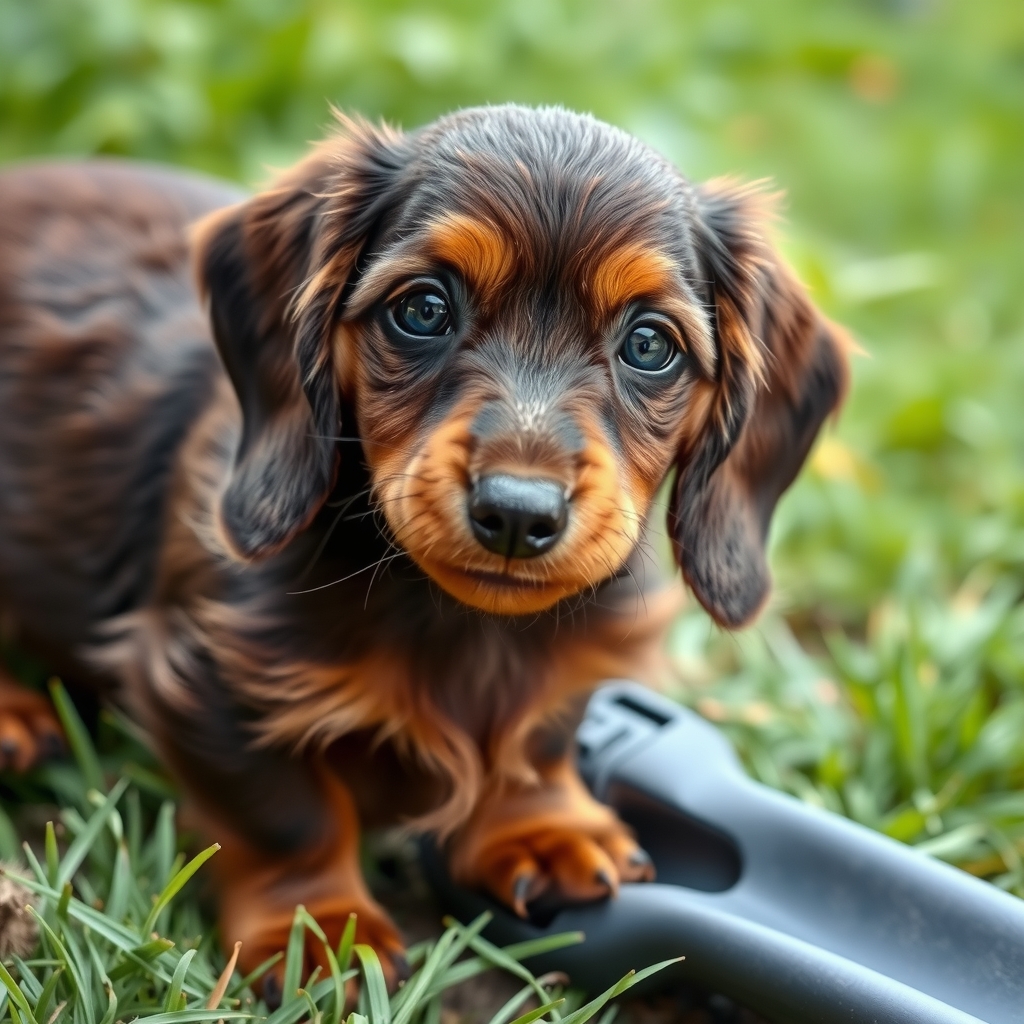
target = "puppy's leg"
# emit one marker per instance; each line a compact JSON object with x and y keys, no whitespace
{"x":288,"y":831}
{"x":552,"y":838}
{"x":259,"y":893}
{"x":29,"y":730}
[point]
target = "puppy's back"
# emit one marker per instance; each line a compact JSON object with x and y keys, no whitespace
{"x":105,"y":359}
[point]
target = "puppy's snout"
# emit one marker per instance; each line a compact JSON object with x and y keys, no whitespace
{"x":517,"y":517}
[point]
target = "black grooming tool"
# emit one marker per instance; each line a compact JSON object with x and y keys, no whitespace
{"x":797,"y":913}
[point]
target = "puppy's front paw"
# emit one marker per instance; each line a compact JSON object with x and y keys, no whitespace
{"x":555,"y":840}
{"x":569,"y":864}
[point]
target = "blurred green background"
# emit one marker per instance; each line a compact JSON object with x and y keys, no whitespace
{"x":886,"y":681}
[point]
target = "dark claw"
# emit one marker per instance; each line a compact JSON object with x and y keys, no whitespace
{"x":520,"y":889}
{"x":602,"y":877}
{"x":8,"y":747}
{"x":641,"y":860}
{"x":272,"y":991}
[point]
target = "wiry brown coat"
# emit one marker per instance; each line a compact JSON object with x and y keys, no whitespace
{"x":258,"y":531}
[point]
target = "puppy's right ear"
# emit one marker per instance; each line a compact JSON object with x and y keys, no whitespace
{"x":783,"y":370}
{"x":274,"y":270}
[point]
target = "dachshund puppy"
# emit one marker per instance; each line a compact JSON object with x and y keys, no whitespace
{"x":345,"y":486}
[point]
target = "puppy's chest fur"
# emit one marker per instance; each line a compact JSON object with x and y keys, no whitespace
{"x":341,"y":635}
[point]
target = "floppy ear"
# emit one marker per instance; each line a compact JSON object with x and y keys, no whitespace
{"x":782,"y":370}
{"x":274,"y":270}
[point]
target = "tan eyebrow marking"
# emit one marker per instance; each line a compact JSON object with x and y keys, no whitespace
{"x":476,"y":248}
{"x":629,"y":272}
{"x":637,"y":271}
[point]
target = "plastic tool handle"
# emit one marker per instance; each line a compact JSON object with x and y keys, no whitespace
{"x":815,"y":876}
{"x":795,"y":912}
{"x":783,"y":979}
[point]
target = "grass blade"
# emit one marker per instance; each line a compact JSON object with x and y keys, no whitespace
{"x":52,"y":854}
{"x":43,"y":1002}
{"x":144,"y":954}
{"x":79,"y":849}
{"x":294,"y":957}
{"x":534,"y":947}
{"x":17,"y":996}
{"x":108,"y":1017}
{"x":312,"y":924}
{"x":511,"y":1005}
{"x":164,"y":843}
{"x":173,"y":997}
{"x":432,"y":1015}
{"x":376,"y":987}
{"x":151,"y":950}
{"x":64,"y":902}
{"x":517,"y":951}
{"x":194,"y":1016}
{"x":447,"y":950}
{"x":120,"y":883}
{"x":111,"y":1011}
{"x":500,"y":958}
{"x":30,"y":984}
{"x":33,"y":863}
{"x":408,"y":999}
{"x":175,"y":885}
{"x":222,"y":982}
{"x":337,"y":979}
{"x":528,"y":1018}
{"x":78,"y":737}
{"x":314,"y":1014}
{"x":74,"y":966}
{"x":584,"y":1013}
{"x":345,"y":944}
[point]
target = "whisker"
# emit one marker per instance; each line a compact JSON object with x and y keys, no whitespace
{"x":350,"y":498}
{"x":343,"y":505}
{"x":380,"y":562}
{"x":364,"y":441}
{"x":324,"y":586}
{"x":327,"y":536}
{"x":640,"y":594}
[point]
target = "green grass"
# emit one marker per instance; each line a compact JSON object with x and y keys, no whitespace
{"x":116,"y":943}
{"x":915,"y":729}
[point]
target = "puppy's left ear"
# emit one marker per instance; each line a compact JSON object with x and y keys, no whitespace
{"x":274,"y":270}
{"x":782,"y":369}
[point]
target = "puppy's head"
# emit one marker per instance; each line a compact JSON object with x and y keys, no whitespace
{"x":534,"y":319}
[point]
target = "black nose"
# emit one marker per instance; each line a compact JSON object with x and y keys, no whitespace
{"x":516,"y":517}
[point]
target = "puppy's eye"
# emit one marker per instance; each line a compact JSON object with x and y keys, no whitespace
{"x":424,"y":314}
{"x":647,"y":348}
